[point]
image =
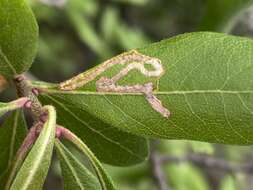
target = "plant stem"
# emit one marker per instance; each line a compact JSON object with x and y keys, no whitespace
{"x":210,"y":162}
{"x":157,"y":171}
{"x":28,"y":99}
{"x":24,"y":89}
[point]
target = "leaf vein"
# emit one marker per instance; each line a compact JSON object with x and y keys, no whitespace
{"x":228,"y":122}
{"x":93,"y":130}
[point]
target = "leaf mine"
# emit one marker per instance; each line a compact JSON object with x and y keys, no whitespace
{"x":133,"y":61}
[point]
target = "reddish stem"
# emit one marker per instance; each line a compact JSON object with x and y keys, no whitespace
{"x":62,"y":132}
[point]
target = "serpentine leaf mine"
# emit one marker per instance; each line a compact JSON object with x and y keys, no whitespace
{"x":133,"y":61}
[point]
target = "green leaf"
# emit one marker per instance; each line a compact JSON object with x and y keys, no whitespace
{"x":116,"y":31}
{"x":12,"y":134}
{"x":185,"y":176}
{"x":75,"y":175}
{"x":221,"y":15}
{"x":33,"y":172}
{"x":18,"y":37}
{"x":86,"y":31}
{"x":110,"y":21}
{"x":207,"y":85}
{"x":228,"y":183}
{"x":202,"y":147}
{"x":104,"y":179}
{"x":10,"y":106}
{"x":109,"y":144}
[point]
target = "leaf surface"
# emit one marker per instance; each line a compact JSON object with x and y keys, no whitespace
{"x":75,"y":174}
{"x":33,"y":172}
{"x":207,"y":85}
{"x":12,"y":134}
{"x":228,"y":183}
{"x":18,"y":37}
{"x":109,"y":143}
{"x":104,"y":179}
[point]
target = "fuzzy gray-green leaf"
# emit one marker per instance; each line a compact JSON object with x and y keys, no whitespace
{"x":33,"y":172}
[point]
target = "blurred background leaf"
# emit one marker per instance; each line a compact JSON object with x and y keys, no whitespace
{"x":228,"y":183}
{"x":222,"y":15}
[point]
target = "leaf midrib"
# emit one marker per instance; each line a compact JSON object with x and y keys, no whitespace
{"x":177,"y":92}
{"x":37,"y":163}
